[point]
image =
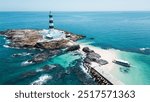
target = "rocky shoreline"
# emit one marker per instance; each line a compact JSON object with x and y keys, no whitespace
{"x":90,"y":57}
{"x":27,"y":38}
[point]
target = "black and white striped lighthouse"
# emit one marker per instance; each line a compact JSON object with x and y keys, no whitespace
{"x":51,"y":22}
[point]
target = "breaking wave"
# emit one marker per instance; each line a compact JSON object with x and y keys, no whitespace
{"x":144,"y":49}
{"x":42,"y":80}
{"x":6,"y":46}
{"x":26,"y":63}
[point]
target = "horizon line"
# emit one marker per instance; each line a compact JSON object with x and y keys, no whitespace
{"x":79,"y":11}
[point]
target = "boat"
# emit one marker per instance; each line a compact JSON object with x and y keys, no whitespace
{"x":122,"y":63}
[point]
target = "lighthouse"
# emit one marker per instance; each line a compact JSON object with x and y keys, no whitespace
{"x":52,"y":33}
{"x":51,"y":26}
{"x":51,"y":22}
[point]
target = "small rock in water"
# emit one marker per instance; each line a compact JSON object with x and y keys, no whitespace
{"x":48,"y":67}
{"x":26,"y":63}
{"x":40,"y":57}
{"x":28,"y":74}
{"x":21,"y":54}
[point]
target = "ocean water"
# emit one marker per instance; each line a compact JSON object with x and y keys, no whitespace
{"x":127,"y":32}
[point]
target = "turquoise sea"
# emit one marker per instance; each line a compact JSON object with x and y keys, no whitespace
{"x":126,"y":32}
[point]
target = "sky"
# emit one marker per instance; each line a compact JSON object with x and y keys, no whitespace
{"x":75,"y":5}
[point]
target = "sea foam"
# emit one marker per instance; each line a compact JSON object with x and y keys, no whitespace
{"x":42,"y":80}
{"x":26,"y":63}
{"x":6,"y":46}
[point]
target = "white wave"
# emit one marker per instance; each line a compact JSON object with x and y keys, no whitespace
{"x":25,"y":63}
{"x":143,"y":49}
{"x":25,"y":54}
{"x":39,"y":70}
{"x":6,"y":46}
{"x":42,"y":80}
{"x":7,"y":42}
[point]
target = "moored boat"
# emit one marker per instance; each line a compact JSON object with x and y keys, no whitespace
{"x":122,"y":62}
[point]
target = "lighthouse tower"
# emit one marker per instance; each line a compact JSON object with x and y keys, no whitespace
{"x":54,"y":34}
{"x":51,"y":23}
{"x":51,"y":26}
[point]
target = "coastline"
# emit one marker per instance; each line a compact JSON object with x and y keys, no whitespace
{"x":104,"y":70}
{"x":108,"y":55}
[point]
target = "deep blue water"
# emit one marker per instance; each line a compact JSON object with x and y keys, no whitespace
{"x":128,"y":31}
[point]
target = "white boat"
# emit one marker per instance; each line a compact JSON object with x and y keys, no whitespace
{"x":122,"y":62}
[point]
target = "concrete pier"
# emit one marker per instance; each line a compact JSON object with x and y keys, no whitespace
{"x":101,"y":77}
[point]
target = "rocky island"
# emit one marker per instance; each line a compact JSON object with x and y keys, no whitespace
{"x":27,"y":38}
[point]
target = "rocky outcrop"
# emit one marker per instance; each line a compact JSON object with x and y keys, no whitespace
{"x":87,"y":50}
{"x":51,"y":45}
{"x":91,"y":56}
{"x":23,"y":38}
{"x":28,"y":74}
{"x":74,"y":37}
{"x":2,"y":32}
{"x":40,"y":57}
{"x":30,"y":38}
{"x":48,"y":68}
{"x":73,"y":48}
{"x":87,"y":60}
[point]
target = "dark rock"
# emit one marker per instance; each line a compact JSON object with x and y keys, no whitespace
{"x":40,"y":57}
{"x":52,"y":45}
{"x":76,"y":37}
{"x":54,"y":52}
{"x":87,"y":60}
{"x":29,"y":74}
{"x":22,"y":54}
{"x":87,"y":50}
{"x":16,"y":55}
{"x":48,"y":67}
{"x":102,"y":62}
{"x":93,"y":56}
{"x":2,"y":32}
{"x":73,"y":48}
